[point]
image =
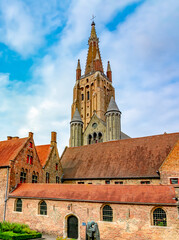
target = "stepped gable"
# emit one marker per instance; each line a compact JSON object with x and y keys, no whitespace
{"x":127,"y":158}
{"x":43,"y":151}
{"x":9,"y":150}
{"x":143,"y":194}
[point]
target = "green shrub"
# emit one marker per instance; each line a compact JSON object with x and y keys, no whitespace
{"x":16,"y":236}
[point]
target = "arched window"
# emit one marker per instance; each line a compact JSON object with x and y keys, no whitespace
{"x":23,"y":176}
{"x":95,"y":137}
{"x":100,"y":137}
{"x":18,"y":205}
{"x":89,"y":139}
{"x":159,"y":217}
{"x":88,"y":96}
{"x":43,"y":208}
{"x":107,"y":213}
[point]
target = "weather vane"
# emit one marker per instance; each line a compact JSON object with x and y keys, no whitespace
{"x":93,"y":17}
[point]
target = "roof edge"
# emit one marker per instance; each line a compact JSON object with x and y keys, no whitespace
{"x":97,"y":201}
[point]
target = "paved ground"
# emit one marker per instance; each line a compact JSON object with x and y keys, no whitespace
{"x":48,"y":237}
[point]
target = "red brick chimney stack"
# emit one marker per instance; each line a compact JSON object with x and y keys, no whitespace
{"x":53,"y":138}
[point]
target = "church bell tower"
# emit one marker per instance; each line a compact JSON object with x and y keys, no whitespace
{"x":93,"y":90}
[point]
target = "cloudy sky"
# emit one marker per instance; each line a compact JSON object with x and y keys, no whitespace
{"x":41,"y":40}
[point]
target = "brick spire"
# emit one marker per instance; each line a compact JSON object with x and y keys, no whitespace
{"x":109,"y":72}
{"x":78,"y":70}
{"x":93,"y":51}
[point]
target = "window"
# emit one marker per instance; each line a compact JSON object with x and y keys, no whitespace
{"x":159,"y":217}
{"x":30,"y":159}
{"x":56,"y":166}
{"x":34,"y":178}
{"x":88,"y":95}
{"x":107,"y":213}
{"x":18,"y":205}
{"x":145,"y":182}
{"x":118,"y":182}
{"x":47,"y":177}
{"x":23,"y":176}
{"x":107,"y":182}
{"x":57,"y":179}
{"x":30,"y":144}
{"x":80,"y":182}
{"x":174,"y":181}
{"x":82,"y":97}
{"x":43,"y":208}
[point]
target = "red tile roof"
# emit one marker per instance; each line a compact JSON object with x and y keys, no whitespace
{"x":9,"y":150}
{"x":98,"y":193}
{"x":43,"y":152}
{"x":134,"y":157}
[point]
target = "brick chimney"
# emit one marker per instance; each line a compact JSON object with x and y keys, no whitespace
{"x":9,"y":137}
{"x":53,"y":138}
{"x":31,"y":134}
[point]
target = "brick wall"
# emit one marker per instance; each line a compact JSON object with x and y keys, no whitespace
{"x":21,"y":162}
{"x":3,"y":181}
{"x":125,"y":181}
{"x":50,"y":166}
{"x":170,"y":167}
{"x":129,"y":221}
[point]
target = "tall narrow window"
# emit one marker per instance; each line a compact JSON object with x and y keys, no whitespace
{"x":57,"y":179}
{"x":22,"y":176}
{"x":82,"y":97}
{"x":30,"y":144}
{"x":34,"y":178}
{"x":88,"y":95}
{"x":47,"y":177}
{"x":43,"y":208}
{"x":56,"y":166}
{"x":18,"y":205}
{"x":107,"y":213}
{"x":159,"y":217}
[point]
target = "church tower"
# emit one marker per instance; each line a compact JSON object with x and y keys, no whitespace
{"x":95,"y":116}
{"x":93,"y":90}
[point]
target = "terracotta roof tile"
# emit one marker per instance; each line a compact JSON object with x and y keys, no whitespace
{"x":9,"y":150}
{"x":43,"y":152}
{"x":134,"y":157}
{"x":98,"y":193}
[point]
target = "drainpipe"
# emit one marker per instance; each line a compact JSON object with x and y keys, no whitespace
{"x":6,"y":198}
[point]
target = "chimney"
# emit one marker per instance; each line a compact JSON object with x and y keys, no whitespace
{"x":31,"y":134}
{"x":53,"y":138}
{"x":15,"y":137}
{"x":9,"y":137}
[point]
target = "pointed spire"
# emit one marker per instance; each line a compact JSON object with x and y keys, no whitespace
{"x":93,"y":52}
{"x":78,"y":65}
{"x":112,"y":106}
{"x":93,"y":31}
{"x":76,"y":117}
{"x":78,"y":70}
{"x":108,"y":67}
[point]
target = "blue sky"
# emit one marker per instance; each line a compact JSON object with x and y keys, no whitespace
{"x":41,"y":40}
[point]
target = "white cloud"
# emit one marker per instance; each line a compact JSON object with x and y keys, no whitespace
{"x":143,"y":51}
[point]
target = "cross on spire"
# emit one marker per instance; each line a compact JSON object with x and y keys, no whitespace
{"x":92,"y":19}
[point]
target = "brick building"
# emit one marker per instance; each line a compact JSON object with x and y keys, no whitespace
{"x":128,"y":186}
